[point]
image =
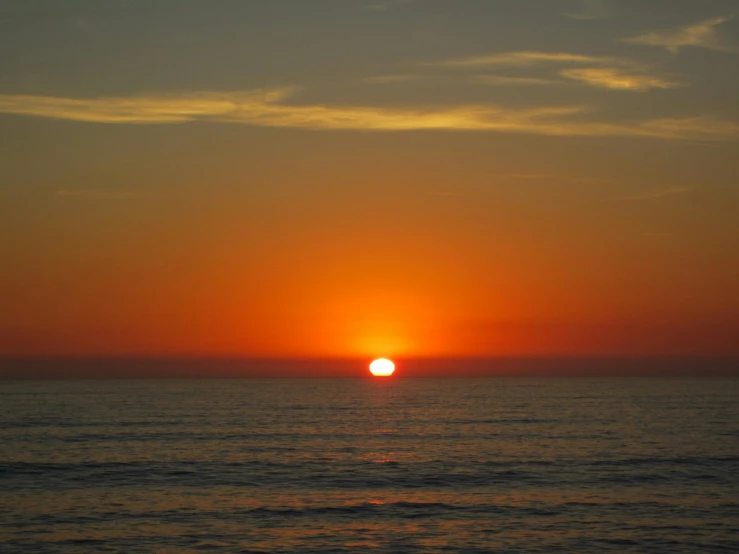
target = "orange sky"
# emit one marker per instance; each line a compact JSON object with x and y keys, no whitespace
{"x":438,"y":189}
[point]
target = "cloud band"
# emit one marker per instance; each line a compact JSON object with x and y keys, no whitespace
{"x":266,"y":108}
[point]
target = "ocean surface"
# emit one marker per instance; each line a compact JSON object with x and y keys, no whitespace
{"x":362,"y":465}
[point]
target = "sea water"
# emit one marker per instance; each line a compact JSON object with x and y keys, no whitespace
{"x":362,"y":465}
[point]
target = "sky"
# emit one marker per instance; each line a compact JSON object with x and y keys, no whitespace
{"x":363,"y":178}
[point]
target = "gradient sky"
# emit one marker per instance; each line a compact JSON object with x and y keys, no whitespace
{"x":369,"y":177}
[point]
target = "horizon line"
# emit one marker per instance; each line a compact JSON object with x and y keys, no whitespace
{"x":121,"y":368}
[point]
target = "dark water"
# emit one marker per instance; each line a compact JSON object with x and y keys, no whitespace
{"x":330,"y":465}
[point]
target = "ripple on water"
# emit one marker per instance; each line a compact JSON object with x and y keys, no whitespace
{"x":416,"y":466}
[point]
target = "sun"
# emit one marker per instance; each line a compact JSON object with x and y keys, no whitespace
{"x":382,"y":368}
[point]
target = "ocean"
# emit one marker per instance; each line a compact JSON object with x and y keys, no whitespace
{"x":362,"y":465}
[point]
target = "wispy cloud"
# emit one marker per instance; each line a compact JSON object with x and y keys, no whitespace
{"x":400,"y":78}
{"x":699,"y":128}
{"x":140,"y":109}
{"x":699,"y":35}
{"x":528,"y":58}
{"x":604,"y":71}
{"x":264,"y":108}
{"x":492,"y":80}
{"x":660,"y":193}
{"x":556,"y":178}
{"x":99,"y":193}
{"x":503,"y":80}
{"x":267,"y":108}
{"x":611,"y":78}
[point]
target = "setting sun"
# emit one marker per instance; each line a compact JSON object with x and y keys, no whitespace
{"x":382,"y":368}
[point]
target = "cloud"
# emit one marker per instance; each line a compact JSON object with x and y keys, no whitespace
{"x":465,"y":117}
{"x":99,"y":193}
{"x":264,"y":108}
{"x":139,"y":109}
{"x":660,"y":193}
{"x":267,"y":108}
{"x":699,"y":35}
{"x":611,"y":78}
{"x":528,"y":58}
{"x":612,"y":73}
{"x":492,"y":80}
{"x":700,"y":128}
{"x":552,"y":177}
{"x":401,"y":78}
{"x":502,"y":80}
